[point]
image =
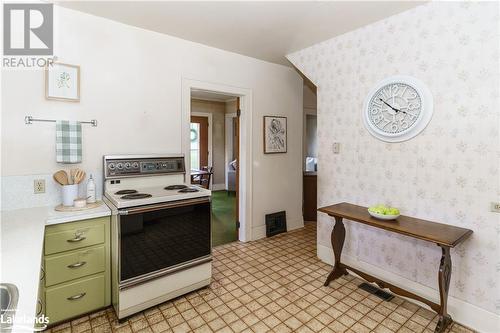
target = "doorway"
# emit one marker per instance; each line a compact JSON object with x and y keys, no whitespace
{"x":199,"y":141}
{"x":244,"y":178}
{"x":214,"y":158}
{"x":310,"y":157}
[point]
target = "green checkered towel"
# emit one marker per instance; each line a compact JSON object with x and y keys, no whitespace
{"x":68,"y":141}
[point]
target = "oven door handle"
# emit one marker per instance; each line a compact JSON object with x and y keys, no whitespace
{"x":173,"y":204}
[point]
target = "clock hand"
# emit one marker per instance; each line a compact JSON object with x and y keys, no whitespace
{"x":391,"y":106}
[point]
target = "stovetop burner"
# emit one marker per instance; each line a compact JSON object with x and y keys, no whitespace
{"x":136,"y":196}
{"x":188,"y":190}
{"x":175,"y":187}
{"x":126,"y":192}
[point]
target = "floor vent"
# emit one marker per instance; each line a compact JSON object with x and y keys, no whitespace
{"x":275,"y":223}
{"x":376,"y":291}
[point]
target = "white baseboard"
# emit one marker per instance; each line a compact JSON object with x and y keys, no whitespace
{"x":218,"y":187}
{"x":462,"y":312}
{"x":260,"y":231}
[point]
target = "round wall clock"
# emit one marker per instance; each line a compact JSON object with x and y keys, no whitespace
{"x":398,"y":108}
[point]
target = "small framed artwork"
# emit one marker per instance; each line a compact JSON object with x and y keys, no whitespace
{"x":62,"y":82}
{"x":275,"y":135}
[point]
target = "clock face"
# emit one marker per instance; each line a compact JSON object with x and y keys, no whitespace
{"x":397,"y":109}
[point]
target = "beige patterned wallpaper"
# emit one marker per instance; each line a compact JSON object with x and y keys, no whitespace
{"x":450,"y":172}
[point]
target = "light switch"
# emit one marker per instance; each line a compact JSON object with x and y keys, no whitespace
{"x":336,"y":147}
{"x":495,"y":207}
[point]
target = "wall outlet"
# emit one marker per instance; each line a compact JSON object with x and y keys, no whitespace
{"x":336,"y":148}
{"x":39,"y":186}
{"x":495,"y":207}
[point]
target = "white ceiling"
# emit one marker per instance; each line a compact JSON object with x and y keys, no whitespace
{"x":263,"y":30}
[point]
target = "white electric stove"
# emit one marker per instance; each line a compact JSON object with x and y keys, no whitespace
{"x":160,"y":230}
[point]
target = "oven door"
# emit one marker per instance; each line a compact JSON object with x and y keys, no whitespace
{"x":161,"y":239}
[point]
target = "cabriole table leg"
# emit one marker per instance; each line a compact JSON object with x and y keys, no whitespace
{"x":338,"y":238}
{"x":444,"y":277}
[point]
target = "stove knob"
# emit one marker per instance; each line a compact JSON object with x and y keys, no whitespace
{"x":119,"y":166}
{"x":164,"y":165}
{"x":111,"y":166}
{"x":135,"y":165}
{"x":127,"y":165}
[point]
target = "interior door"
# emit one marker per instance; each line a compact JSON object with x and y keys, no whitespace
{"x":237,"y":155}
{"x":203,"y":135}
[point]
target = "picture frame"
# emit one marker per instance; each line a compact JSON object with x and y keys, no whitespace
{"x":62,"y":82}
{"x":275,"y":135}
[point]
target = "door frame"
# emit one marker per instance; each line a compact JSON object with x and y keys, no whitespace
{"x":210,"y":146}
{"x":228,"y":117}
{"x":245,"y":162}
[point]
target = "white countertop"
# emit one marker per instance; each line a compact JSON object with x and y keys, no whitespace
{"x":21,"y":245}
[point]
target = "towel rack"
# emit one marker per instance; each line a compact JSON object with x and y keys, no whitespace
{"x":29,"y":120}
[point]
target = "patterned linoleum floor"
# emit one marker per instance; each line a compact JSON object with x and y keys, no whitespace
{"x":271,"y":285}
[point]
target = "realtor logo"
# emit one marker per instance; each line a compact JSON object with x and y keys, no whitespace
{"x":28,"y":29}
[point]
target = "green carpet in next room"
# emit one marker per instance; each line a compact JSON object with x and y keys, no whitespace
{"x":223,"y":218}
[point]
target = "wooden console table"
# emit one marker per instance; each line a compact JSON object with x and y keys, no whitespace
{"x":445,"y":236}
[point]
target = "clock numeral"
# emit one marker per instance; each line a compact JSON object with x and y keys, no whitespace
{"x":386,"y":94}
{"x":403,"y":91}
{"x":411,"y":116}
{"x":375,"y":110}
{"x":395,"y":90}
{"x":378,"y":118}
{"x":403,"y":124}
{"x":412,"y":95}
{"x":412,"y":106}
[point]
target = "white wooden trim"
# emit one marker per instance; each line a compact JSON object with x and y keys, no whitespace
{"x":462,"y":312}
{"x":245,"y":163}
{"x":210,"y":129}
{"x":228,"y":133}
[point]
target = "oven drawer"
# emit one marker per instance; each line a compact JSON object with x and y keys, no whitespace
{"x":74,"y":265}
{"x":74,"y":235}
{"x":75,"y":298}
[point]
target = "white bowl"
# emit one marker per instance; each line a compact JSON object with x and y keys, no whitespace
{"x":384,"y":217}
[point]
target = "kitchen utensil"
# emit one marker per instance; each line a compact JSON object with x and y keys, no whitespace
{"x":69,"y":194}
{"x":79,"y":176}
{"x":72,"y":172}
{"x":61,"y":177}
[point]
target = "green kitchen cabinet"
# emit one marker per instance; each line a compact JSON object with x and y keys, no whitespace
{"x":76,"y":268}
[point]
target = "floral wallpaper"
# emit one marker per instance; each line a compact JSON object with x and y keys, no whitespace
{"x":449,"y":173}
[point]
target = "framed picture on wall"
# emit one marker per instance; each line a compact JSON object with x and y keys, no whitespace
{"x":62,"y":82}
{"x":275,"y":134}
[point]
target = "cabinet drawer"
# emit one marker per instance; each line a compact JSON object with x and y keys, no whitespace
{"x":81,"y":235}
{"x":74,"y":265}
{"x":75,"y":298}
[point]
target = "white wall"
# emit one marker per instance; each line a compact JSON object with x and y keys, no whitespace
{"x":217,"y":110}
{"x":449,"y":173}
{"x":131,"y":83}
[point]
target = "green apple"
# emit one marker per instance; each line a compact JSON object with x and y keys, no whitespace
{"x":393,"y":211}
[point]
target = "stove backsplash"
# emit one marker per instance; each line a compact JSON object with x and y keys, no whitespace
{"x":17,"y":191}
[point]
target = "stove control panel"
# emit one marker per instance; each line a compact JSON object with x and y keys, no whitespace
{"x":115,"y":167}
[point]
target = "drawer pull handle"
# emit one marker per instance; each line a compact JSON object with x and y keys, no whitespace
{"x":40,"y":309}
{"x":78,"y":238}
{"x":75,"y":297}
{"x":77,"y":264}
{"x":42,"y":273}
